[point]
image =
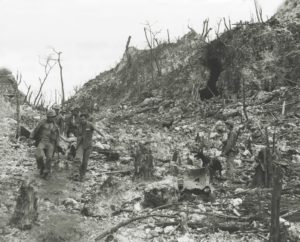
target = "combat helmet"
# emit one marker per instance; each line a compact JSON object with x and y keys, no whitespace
{"x":55,"y":106}
{"x":51,"y":113}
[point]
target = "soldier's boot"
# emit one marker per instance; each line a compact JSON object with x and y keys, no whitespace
{"x":82,"y":172}
{"x":47,"y":170}
{"x":40,"y":165}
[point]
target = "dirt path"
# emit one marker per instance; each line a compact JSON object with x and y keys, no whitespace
{"x":59,"y":197}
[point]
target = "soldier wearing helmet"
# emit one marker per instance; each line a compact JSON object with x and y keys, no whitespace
{"x":59,"y":120}
{"x":46,"y":135}
{"x":73,"y":121}
{"x":84,"y":142}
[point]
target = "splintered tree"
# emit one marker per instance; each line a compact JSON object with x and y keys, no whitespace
{"x":264,"y":170}
{"x":48,"y":66}
{"x":17,"y":95}
{"x":128,"y":56}
{"x":275,"y":206}
{"x":25,"y":213}
{"x":258,"y":11}
{"x":205,"y":29}
{"x":28,"y":93}
{"x":143,"y":162}
{"x":58,"y":53}
{"x":152,"y":42}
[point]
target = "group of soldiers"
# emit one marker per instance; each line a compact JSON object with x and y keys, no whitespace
{"x":60,"y":125}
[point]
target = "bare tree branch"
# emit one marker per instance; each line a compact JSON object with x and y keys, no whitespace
{"x":47,"y":69}
{"x":151,"y":41}
{"x":258,"y":12}
{"x":191,"y":29}
{"x":218,"y":28}
{"x":227,"y":26}
{"x":205,"y":29}
{"x":59,"y":53}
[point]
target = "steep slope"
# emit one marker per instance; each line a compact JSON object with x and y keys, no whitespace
{"x":263,"y":56}
{"x":289,"y":11}
{"x":157,"y":104}
{"x":165,"y":73}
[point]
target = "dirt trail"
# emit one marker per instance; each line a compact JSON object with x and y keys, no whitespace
{"x":59,"y":207}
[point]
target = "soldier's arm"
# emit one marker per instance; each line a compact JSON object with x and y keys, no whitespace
{"x":97,"y":130}
{"x":36,"y":130}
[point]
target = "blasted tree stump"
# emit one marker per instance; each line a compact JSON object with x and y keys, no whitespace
{"x":275,"y":206}
{"x":26,"y":210}
{"x":143,"y":162}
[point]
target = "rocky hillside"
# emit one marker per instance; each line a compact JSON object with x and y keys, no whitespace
{"x":289,"y":11}
{"x":170,"y":166}
{"x":262,"y":56}
{"x":8,"y":87}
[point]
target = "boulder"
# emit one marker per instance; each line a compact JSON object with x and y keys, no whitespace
{"x":161,"y":193}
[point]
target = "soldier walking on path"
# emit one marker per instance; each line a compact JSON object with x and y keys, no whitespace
{"x":59,"y":118}
{"x":84,"y":142}
{"x":72,"y":122}
{"x":46,"y":134}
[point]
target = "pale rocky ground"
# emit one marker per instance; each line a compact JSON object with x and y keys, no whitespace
{"x":135,"y":107}
{"x":73,"y":211}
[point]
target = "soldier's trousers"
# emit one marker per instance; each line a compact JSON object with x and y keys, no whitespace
{"x":85,"y":158}
{"x":43,"y":152}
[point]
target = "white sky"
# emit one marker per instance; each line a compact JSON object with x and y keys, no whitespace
{"x":92,"y":34}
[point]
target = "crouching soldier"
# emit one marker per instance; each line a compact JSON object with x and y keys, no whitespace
{"x":46,"y":134}
{"x":84,"y":142}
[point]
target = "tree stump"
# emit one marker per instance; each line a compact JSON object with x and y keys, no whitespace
{"x":264,"y":170}
{"x":143,"y":162}
{"x":176,"y":157}
{"x":26,"y":208}
{"x":275,"y":206}
{"x":230,"y":151}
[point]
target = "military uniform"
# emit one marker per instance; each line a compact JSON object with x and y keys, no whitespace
{"x":46,"y":135}
{"x":84,"y":144}
{"x":59,"y":120}
{"x":72,"y":124}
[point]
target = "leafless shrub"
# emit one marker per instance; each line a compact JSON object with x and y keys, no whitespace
{"x":76,"y":89}
{"x":152,"y":42}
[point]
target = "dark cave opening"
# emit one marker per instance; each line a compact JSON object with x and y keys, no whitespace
{"x":215,"y":67}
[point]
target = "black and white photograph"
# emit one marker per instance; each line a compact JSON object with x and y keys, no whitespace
{"x":149,"y":120}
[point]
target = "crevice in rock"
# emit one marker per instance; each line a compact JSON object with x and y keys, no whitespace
{"x":215,"y":67}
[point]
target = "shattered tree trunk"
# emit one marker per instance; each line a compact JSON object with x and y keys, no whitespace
{"x":268,"y":162}
{"x":61,"y":78}
{"x":17,"y":94}
{"x":230,"y":151}
{"x":26,"y":208}
{"x":143,"y":163}
{"x":264,"y":171}
{"x":275,"y":207}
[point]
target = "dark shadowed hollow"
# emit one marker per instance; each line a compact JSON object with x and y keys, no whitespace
{"x":215,"y":67}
